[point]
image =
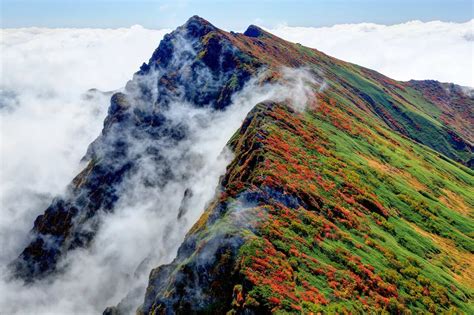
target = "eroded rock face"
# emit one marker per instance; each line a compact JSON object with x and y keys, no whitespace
{"x":197,"y":65}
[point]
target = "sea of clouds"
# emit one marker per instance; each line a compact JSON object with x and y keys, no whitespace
{"x":47,"y":120}
{"x":414,"y":50}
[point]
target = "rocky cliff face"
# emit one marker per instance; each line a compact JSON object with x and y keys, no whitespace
{"x":195,"y":64}
{"x":358,"y":200}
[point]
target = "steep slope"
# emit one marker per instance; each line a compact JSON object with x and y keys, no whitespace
{"x":331,"y":210}
{"x":359,"y":201}
{"x":326,"y":211}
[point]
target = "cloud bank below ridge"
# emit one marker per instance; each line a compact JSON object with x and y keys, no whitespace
{"x":414,"y":50}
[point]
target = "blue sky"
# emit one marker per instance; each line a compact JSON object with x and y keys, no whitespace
{"x":230,"y":15}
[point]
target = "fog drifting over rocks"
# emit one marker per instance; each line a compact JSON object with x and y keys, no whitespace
{"x":145,"y":229}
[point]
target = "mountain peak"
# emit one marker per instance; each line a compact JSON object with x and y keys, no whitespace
{"x":198,"y":27}
{"x":197,"y":19}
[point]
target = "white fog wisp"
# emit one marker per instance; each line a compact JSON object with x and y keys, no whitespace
{"x":47,"y":119}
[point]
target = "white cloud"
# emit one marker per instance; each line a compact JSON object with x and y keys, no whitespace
{"x":45,"y":122}
{"x":414,"y":50}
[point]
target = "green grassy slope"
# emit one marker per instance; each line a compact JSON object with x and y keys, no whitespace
{"x":384,"y":223}
{"x":337,"y":214}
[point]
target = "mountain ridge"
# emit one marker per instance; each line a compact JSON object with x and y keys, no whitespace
{"x":174,"y":291}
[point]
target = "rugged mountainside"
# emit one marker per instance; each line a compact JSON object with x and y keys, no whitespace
{"x":362,"y":201}
{"x":312,"y":218}
{"x":184,"y":68}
